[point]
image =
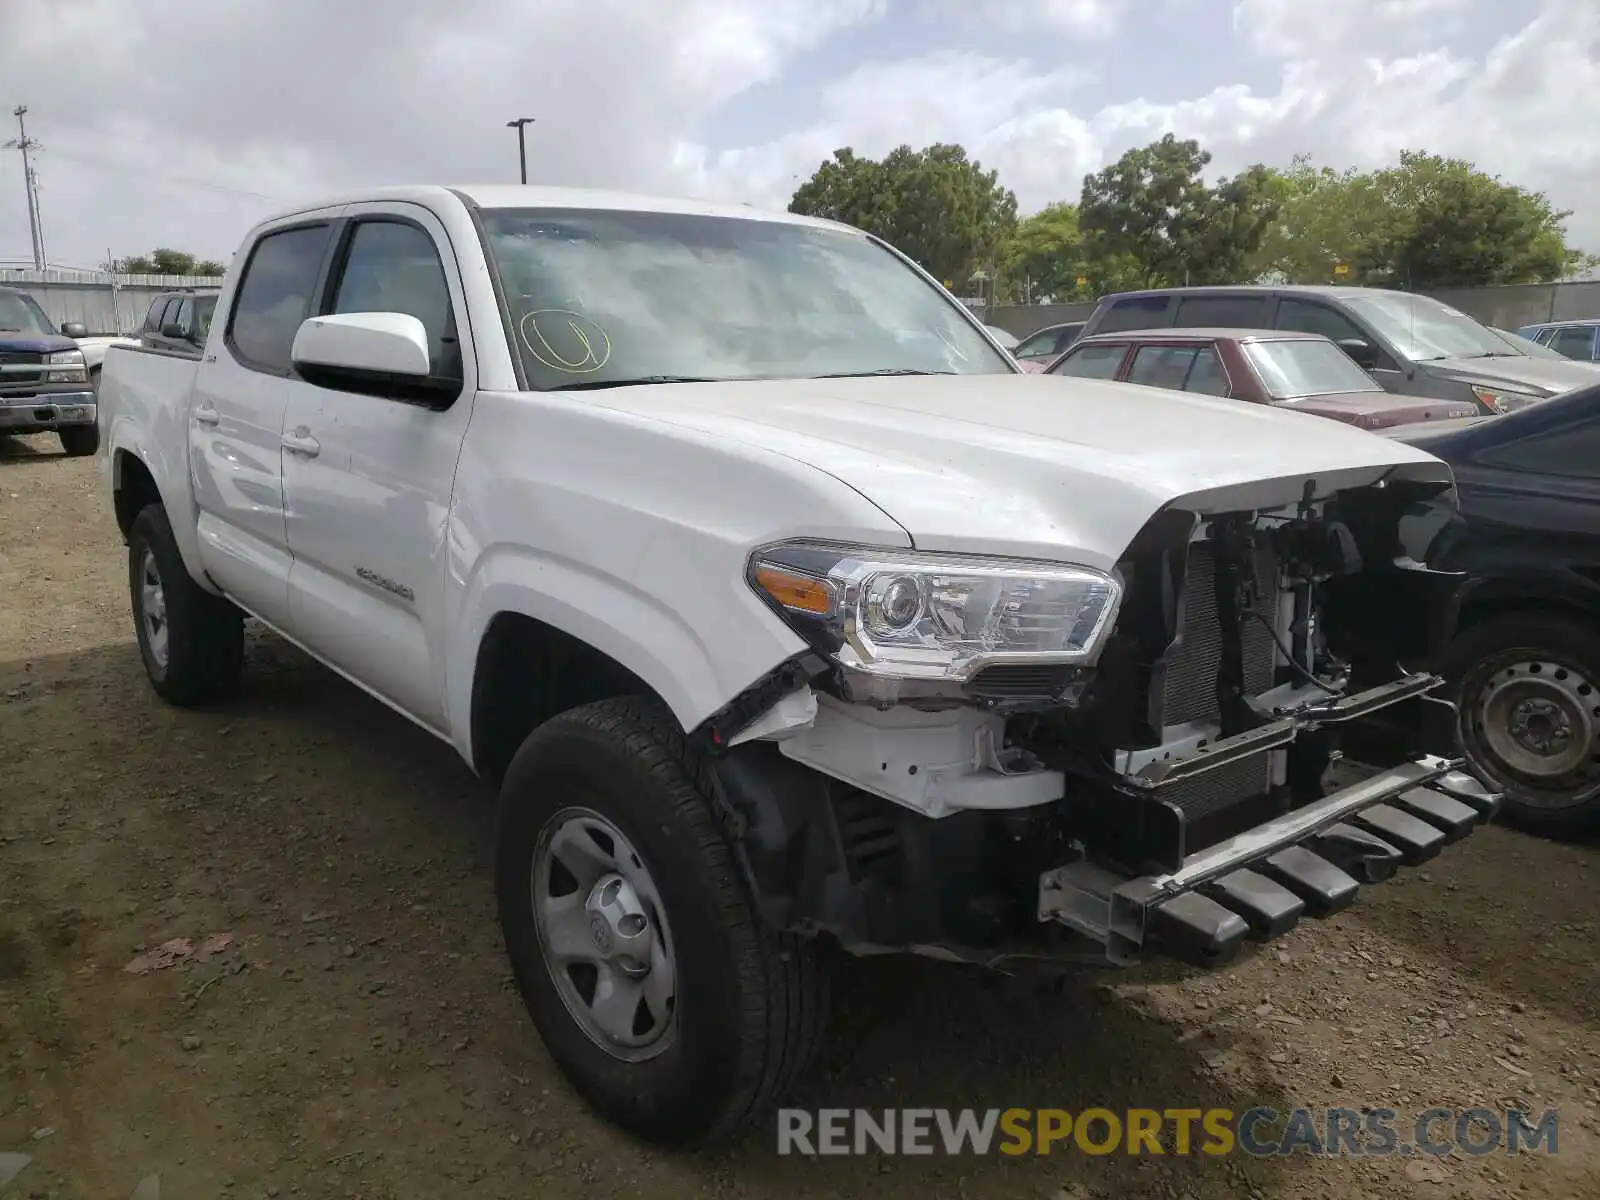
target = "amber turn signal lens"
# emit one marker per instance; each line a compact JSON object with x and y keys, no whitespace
{"x":798,"y":592}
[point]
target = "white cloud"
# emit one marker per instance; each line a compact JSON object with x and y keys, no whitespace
{"x":266,"y":102}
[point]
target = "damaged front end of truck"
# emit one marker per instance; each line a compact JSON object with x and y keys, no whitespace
{"x":983,"y":759}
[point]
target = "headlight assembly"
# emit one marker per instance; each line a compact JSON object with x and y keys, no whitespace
{"x":67,"y":366}
{"x":909,"y":615}
{"x":1503,"y":400}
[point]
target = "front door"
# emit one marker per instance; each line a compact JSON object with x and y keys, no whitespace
{"x":236,"y":420}
{"x":368,"y":477}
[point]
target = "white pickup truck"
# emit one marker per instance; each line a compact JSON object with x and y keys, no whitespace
{"x":787,"y":613}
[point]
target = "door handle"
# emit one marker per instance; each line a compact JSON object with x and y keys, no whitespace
{"x":302,"y":443}
{"x":207,"y":415}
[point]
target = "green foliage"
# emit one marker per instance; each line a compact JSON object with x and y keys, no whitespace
{"x":933,"y":204}
{"x":1152,"y":210}
{"x":1426,"y":222}
{"x":168,"y":262}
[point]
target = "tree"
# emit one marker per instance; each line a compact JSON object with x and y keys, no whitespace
{"x":934,"y":204}
{"x":1447,"y":224}
{"x":1426,"y":222}
{"x":1152,"y":208}
{"x":167,"y":262}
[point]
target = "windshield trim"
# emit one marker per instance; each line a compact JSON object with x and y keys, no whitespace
{"x":479,"y":215}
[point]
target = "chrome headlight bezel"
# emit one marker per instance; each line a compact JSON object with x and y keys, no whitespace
{"x":914,"y":615}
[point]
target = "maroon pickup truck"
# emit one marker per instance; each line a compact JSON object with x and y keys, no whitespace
{"x":1302,"y":371}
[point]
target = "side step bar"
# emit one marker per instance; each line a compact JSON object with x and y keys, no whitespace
{"x":1256,"y":886}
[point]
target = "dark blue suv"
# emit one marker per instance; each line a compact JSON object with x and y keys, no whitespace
{"x":44,"y":381}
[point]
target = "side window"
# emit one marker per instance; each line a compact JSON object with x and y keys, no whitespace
{"x":275,"y":296}
{"x":1222,"y":312}
{"x":185,"y":317}
{"x":1162,"y":366}
{"x":394,"y":267}
{"x":1570,"y":452}
{"x":1135,"y":312}
{"x":1091,"y":362}
{"x":1306,"y":316}
{"x":152,"y":319}
{"x":1574,"y":341}
{"x":1206,"y":376}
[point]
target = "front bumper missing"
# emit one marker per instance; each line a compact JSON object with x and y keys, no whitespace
{"x":1257,"y":885}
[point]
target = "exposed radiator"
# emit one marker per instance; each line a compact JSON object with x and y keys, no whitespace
{"x":1221,"y":787}
{"x":1190,"y":691}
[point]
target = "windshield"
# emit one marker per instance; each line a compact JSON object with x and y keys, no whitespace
{"x":20,"y":313}
{"x":1421,"y":328}
{"x":1306,"y":367}
{"x":604,"y":298}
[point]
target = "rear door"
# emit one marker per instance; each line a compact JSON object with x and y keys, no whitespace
{"x":236,"y":421}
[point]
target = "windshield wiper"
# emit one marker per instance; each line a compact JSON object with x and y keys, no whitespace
{"x":590,"y":385}
{"x":884,"y":371}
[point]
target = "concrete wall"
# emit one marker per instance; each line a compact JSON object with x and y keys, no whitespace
{"x":1508,"y":306}
{"x":103,"y":303}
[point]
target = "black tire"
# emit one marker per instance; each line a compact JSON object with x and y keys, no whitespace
{"x":750,"y":1003}
{"x":204,"y":645}
{"x":1568,"y":652}
{"x":79,"y":441}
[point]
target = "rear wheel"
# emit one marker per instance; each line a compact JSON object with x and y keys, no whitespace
{"x":79,"y":440}
{"x":635,"y":944}
{"x":1529,"y":691}
{"x":192,"y":642}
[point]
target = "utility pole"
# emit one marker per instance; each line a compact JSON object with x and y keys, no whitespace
{"x":30,"y":184}
{"x":520,"y":124}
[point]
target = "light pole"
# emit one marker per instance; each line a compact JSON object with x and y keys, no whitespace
{"x":520,"y":124}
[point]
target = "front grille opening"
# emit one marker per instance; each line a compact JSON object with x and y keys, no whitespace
{"x":1021,"y":682}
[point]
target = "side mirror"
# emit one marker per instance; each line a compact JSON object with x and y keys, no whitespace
{"x":379,"y":353}
{"x":1362,"y":352}
{"x":173,"y":330}
{"x":73,"y":329}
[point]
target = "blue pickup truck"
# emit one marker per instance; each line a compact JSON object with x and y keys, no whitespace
{"x":44,"y":380}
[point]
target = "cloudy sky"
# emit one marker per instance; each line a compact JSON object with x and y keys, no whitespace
{"x":180,"y":123}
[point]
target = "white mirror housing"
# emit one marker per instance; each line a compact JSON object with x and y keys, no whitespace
{"x":384,"y":343}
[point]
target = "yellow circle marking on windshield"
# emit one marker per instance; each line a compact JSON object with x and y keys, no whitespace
{"x":590,"y":336}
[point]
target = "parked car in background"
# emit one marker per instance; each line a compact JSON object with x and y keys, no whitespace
{"x":1300,"y":371}
{"x":1007,"y":339}
{"x":44,"y":377}
{"x":179,"y":320}
{"x":1577,"y":340}
{"x":1520,"y":640}
{"x":1527,"y":346}
{"x":1413,"y":345}
{"x":1040,"y":348}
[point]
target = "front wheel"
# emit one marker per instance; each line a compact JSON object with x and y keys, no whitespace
{"x":79,"y":440}
{"x":192,"y":642}
{"x":1529,"y":692}
{"x":637,"y":949}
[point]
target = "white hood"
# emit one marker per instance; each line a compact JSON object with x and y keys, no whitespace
{"x":1033,"y":465}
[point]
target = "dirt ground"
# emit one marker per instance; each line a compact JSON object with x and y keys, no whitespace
{"x":358,"y":1034}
